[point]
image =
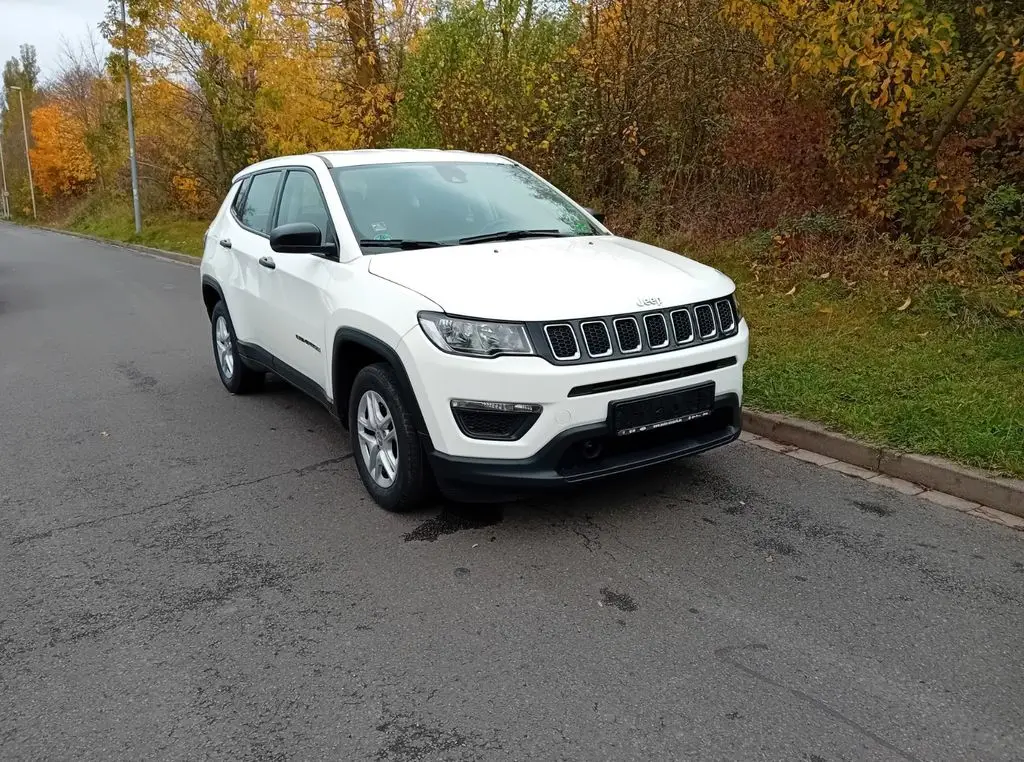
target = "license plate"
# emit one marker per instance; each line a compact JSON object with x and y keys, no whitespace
{"x":660,"y":410}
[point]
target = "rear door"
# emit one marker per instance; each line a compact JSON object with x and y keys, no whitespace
{"x":294,"y":289}
{"x":249,"y":240}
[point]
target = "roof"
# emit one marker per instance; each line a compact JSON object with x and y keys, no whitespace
{"x":377,"y":156}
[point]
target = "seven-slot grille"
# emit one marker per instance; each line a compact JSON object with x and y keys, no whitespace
{"x":562,"y":341}
{"x":595,"y":336}
{"x":655,"y":331}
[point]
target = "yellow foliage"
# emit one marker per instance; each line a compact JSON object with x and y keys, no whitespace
{"x":61,"y":162}
{"x":876,"y":47}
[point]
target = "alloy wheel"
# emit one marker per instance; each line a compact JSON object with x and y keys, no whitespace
{"x":378,"y":439}
{"x":225,"y":353}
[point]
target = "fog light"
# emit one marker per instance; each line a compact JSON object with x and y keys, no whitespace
{"x":507,"y":421}
{"x":496,"y":407}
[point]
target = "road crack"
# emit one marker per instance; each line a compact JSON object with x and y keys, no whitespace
{"x":725,"y":655}
{"x":190,"y":495}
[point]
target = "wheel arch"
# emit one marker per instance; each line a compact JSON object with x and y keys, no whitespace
{"x":212,"y":293}
{"x":353,"y":350}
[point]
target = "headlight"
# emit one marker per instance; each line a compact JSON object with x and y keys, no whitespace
{"x":480,"y":338}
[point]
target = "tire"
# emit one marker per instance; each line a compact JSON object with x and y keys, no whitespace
{"x":237,"y":377}
{"x":389,"y":458}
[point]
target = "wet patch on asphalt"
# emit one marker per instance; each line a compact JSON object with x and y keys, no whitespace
{"x":621,"y":601}
{"x":870,"y":507}
{"x":408,"y":739}
{"x":141,"y":381}
{"x":775,"y":545}
{"x":450,"y":521}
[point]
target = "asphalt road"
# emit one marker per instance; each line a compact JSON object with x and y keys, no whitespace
{"x":185,"y":575}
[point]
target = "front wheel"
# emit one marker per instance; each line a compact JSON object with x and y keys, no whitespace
{"x":237,"y":377}
{"x":387,"y":449}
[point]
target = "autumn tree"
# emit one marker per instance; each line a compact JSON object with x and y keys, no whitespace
{"x":213,"y":51}
{"x":21,"y":71}
{"x":87,"y":93}
{"x":61,"y":162}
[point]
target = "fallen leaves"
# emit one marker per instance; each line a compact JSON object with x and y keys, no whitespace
{"x":903,"y":307}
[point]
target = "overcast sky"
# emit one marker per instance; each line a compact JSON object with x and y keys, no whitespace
{"x":42,"y":23}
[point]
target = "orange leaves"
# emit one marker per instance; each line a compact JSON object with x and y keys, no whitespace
{"x":61,"y":162}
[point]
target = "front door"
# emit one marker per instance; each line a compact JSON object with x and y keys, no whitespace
{"x":249,"y":242}
{"x":294,"y":289}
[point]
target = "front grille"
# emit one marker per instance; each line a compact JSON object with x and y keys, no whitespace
{"x":705,"y":321}
{"x":596,"y":339}
{"x":628,"y":334}
{"x":604,"y":338}
{"x":492,"y":424}
{"x":725,"y":316}
{"x":657,"y":331}
{"x":682,"y":326}
{"x":562,"y":341}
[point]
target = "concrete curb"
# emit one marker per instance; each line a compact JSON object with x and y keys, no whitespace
{"x":929,"y":472}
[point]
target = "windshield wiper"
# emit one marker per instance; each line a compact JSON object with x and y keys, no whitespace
{"x":399,"y":243}
{"x":511,"y":235}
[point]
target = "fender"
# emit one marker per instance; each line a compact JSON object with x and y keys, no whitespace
{"x":344,"y":373}
{"x":208,"y":281}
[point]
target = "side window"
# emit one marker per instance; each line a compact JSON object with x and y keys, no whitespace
{"x":239,"y":203}
{"x":259,"y":201}
{"x":301,"y":201}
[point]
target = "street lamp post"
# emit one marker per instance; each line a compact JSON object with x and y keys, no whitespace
{"x":131,"y":125}
{"x":28,"y":157}
{"x":5,"y":210}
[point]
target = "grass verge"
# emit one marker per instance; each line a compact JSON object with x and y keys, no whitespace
{"x":943,"y":376}
{"x":161,"y":232}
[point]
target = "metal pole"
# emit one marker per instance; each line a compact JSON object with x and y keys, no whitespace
{"x":4,"y":209}
{"x":28,"y":156}
{"x":131,"y":124}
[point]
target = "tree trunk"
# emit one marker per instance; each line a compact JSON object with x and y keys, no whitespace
{"x":946,"y":126}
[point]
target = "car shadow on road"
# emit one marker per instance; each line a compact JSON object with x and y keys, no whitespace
{"x":668,"y":486}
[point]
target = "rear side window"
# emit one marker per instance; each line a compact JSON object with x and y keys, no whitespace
{"x":301,"y":201}
{"x":239,"y":203}
{"x":259,"y":201}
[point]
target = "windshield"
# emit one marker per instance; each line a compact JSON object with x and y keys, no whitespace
{"x":446,"y":203}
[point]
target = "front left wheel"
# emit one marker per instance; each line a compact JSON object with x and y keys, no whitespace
{"x":237,"y":377}
{"x":387,"y":448}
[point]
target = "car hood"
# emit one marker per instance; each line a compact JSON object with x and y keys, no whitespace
{"x":551,"y":278}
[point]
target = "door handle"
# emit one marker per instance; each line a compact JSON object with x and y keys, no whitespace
{"x":267,"y":262}
{"x":225,"y":242}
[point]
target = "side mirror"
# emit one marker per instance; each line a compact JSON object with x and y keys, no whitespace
{"x":300,"y":238}
{"x":599,"y":216}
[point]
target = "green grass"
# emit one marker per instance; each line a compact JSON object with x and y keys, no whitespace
{"x":118,"y":224}
{"x":943,"y":377}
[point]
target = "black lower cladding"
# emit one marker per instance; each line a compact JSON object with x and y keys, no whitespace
{"x":591,"y":452}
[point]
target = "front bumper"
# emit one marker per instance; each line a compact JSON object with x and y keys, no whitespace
{"x":572,"y":398}
{"x":583,"y":454}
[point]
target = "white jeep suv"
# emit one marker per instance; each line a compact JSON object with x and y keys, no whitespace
{"x":469,"y":324}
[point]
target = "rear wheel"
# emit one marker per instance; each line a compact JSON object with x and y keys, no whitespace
{"x":387,"y":449}
{"x":237,"y":377}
